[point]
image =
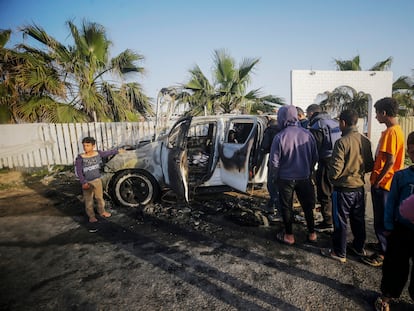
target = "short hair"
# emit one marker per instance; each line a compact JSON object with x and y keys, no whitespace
{"x":89,"y":140}
{"x":410,"y":139}
{"x":300,"y":111}
{"x":387,"y":104}
{"x":272,"y":122}
{"x":350,"y":116}
{"x":314,"y":108}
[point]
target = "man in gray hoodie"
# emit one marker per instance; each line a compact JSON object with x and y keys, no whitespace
{"x":293,"y":156}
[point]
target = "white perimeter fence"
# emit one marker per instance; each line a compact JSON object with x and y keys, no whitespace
{"x":44,"y":144}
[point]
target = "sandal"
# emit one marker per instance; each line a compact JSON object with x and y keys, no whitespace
{"x":381,"y":305}
{"x":328,"y":252}
{"x":375,"y":260}
{"x":281,"y":238}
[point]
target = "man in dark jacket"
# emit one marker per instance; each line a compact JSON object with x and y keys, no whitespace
{"x":351,"y":160}
{"x":268,"y":135}
{"x":293,"y":156}
{"x":303,"y":120}
{"x":326,"y":131}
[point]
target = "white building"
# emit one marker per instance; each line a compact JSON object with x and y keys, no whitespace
{"x":308,"y":85}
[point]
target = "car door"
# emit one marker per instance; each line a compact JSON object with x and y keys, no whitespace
{"x":235,"y":152}
{"x":174,"y":158}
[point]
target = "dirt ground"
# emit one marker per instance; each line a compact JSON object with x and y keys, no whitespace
{"x":166,"y":257}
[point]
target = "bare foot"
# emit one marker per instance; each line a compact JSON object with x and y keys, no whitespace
{"x":312,"y":237}
{"x":93,"y":219}
{"x":106,"y":214}
{"x":287,"y":239}
{"x":290,"y":238}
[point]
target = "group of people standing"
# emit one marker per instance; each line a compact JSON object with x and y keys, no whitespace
{"x":342,"y":157}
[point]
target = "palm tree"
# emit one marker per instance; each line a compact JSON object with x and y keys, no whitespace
{"x":29,"y":86}
{"x":267,"y":105}
{"x":8,"y":90}
{"x":345,"y":97}
{"x":350,"y":98}
{"x":199,"y":93}
{"x":403,"y":92}
{"x":227,"y":92}
{"x":353,"y":64}
{"x":84,"y":69}
{"x":344,"y":65}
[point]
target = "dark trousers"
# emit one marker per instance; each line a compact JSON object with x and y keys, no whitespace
{"x":306,"y":196}
{"x":324,"y":190}
{"x":350,"y":205}
{"x":396,"y":266}
{"x":273,"y":191}
{"x":379,"y":197}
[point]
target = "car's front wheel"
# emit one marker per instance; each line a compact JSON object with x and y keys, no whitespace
{"x":134,"y":188}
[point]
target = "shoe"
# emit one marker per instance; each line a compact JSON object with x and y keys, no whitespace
{"x":268,"y":208}
{"x":274,"y":218}
{"x":324,"y":227}
{"x":328,"y":252}
{"x":375,"y":260}
{"x":92,"y":219}
{"x":381,"y":305}
{"x":375,"y":247}
{"x":300,"y":219}
{"x":353,"y":251}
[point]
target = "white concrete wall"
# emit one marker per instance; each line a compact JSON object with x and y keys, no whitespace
{"x":307,"y":84}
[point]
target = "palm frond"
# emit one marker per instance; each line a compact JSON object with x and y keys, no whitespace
{"x":382,"y":65}
{"x":126,"y":62}
{"x":403,"y":83}
{"x":4,"y":37}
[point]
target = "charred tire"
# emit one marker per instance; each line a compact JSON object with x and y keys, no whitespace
{"x":134,"y":188}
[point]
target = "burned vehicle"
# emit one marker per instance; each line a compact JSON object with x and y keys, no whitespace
{"x":198,"y":152}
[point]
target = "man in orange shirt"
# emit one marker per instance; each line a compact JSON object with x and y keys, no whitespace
{"x":389,"y":158}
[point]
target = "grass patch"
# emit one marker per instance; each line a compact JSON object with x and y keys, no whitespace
{"x":12,"y":178}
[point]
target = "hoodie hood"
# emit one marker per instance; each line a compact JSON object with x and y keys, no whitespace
{"x":287,"y":115}
{"x":319,"y":116}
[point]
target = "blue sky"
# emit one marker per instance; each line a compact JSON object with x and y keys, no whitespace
{"x":176,"y":35}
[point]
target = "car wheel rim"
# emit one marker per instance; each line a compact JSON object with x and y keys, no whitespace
{"x":135,"y":190}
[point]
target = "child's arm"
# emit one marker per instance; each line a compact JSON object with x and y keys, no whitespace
{"x":107,"y":153}
{"x":79,"y":170}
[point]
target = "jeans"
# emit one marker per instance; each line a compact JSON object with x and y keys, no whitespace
{"x":348,"y":205}
{"x":396,"y":267}
{"x":306,"y":195}
{"x":272,"y":188}
{"x":324,"y":190}
{"x":379,"y":197}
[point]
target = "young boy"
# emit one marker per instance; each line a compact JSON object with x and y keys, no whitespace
{"x":88,"y":168}
{"x":389,"y":158}
{"x":400,"y":234}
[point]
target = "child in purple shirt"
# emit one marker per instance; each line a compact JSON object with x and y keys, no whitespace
{"x":88,"y":168}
